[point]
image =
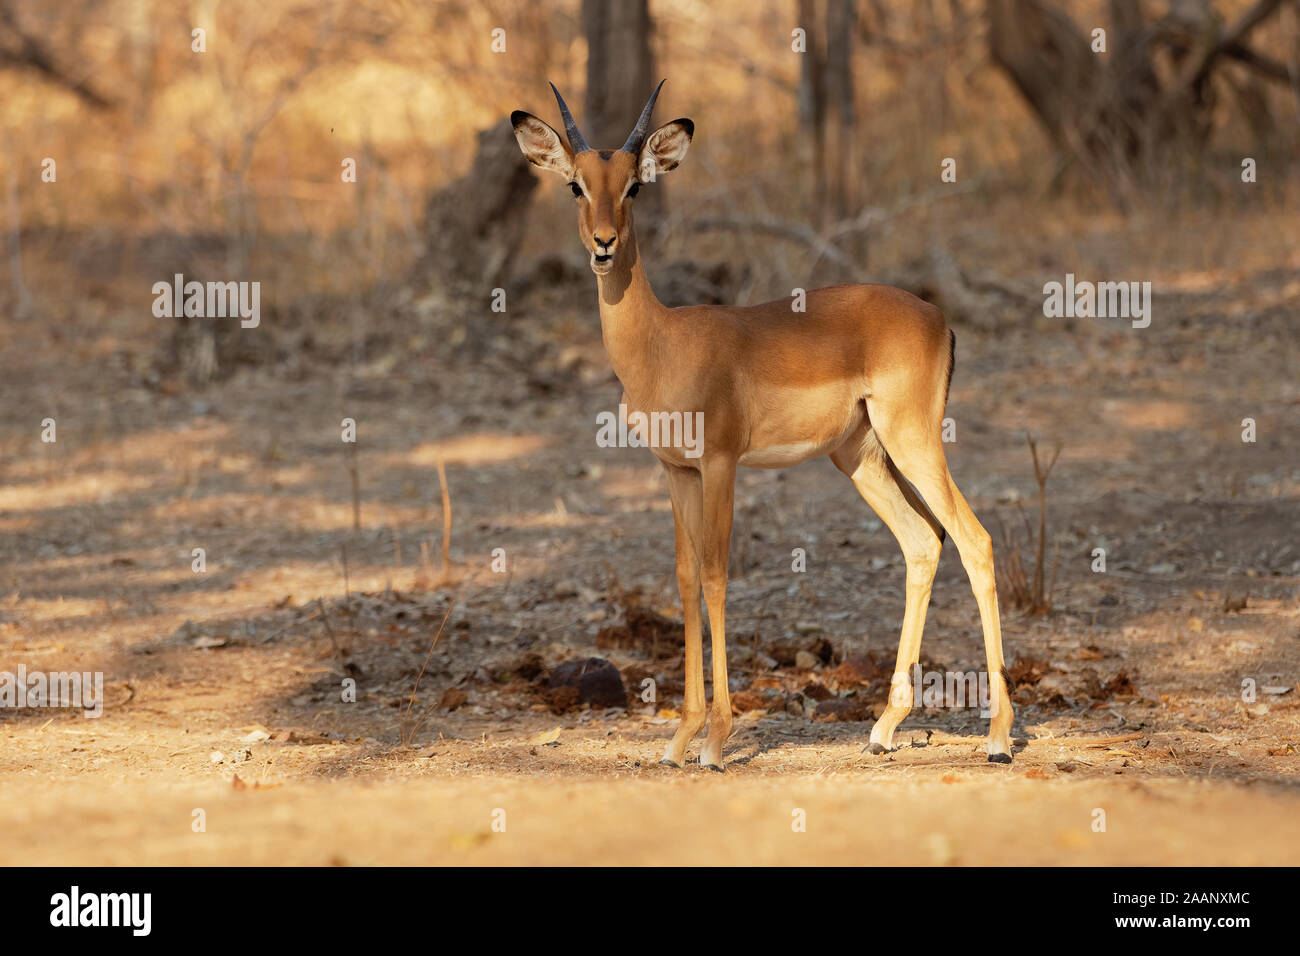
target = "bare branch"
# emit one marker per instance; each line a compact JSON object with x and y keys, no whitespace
{"x":782,"y":230}
{"x":1199,"y":67}
{"x":21,"y":50}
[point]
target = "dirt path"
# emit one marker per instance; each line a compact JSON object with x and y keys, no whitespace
{"x":962,"y":817}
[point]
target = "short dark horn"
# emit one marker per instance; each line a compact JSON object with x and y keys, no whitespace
{"x":576,"y":142}
{"x":634,"y":141}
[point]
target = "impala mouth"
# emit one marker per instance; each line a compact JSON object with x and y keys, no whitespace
{"x":601,"y":265}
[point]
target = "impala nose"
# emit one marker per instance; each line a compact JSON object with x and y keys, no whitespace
{"x":604,"y":247}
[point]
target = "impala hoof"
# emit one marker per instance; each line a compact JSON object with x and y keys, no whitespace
{"x":999,"y":758}
{"x":875,"y":748}
{"x":716,"y":767}
{"x":670,"y":763}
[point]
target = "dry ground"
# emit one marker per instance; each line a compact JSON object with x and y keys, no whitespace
{"x":95,"y":574}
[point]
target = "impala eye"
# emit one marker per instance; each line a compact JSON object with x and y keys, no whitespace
{"x":577,"y":190}
{"x":636,"y":187}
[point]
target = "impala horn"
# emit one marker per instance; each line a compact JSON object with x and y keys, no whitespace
{"x":634,"y":141}
{"x":576,"y":142}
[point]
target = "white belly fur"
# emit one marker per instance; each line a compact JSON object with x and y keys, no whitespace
{"x":782,"y":456}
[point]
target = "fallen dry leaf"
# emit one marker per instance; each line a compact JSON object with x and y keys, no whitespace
{"x":452,"y":698}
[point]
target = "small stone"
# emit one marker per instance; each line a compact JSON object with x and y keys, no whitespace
{"x":597,"y":681}
{"x":805,"y":660}
{"x":561,"y":700}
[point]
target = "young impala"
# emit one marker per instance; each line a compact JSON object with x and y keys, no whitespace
{"x":860,"y":374}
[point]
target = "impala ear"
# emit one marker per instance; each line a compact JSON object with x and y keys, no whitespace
{"x":664,"y":149}
{"x":541,"y":145}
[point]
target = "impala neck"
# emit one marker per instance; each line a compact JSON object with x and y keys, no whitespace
{"x":629,"y":314}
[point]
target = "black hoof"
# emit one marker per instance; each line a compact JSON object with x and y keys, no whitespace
{"x":668,"y":763}
{"x":999,"y":758}
{"x":876,"y":749}
{"x":716,"y":769}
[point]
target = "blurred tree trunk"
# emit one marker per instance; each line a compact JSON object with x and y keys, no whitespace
{"x":840,"y":30}
{"x":620,"y":78}
{"x":140,"y":54}
{"x":827,"y":117}
{"x":1111,"y":112}
{"x":474,"y":226}
{"x":812,"y":108}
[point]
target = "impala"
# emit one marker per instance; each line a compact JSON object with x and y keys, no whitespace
{"x":860,"y":375}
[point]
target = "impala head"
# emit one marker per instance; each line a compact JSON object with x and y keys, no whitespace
{"x":604,"y":181}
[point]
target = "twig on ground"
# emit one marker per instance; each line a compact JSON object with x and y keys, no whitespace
{"x":354,"y":472}
{"x":446,"y":523}
{"x":408,"y":727}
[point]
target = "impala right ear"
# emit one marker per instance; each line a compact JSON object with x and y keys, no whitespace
{"x":665,"y":148}
{"x":542,"y":145}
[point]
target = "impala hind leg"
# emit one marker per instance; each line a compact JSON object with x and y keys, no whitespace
{"x":684,"y":489}
{"x":917,"y":451}
{"x":920,"y":537}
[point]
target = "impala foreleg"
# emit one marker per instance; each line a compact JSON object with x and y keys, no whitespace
{"x":718,"y":481}
{"x":684,"y":488}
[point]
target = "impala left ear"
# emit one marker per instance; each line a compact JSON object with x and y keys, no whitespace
{"x":664,"y":149}
{"x":541,"y":145}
